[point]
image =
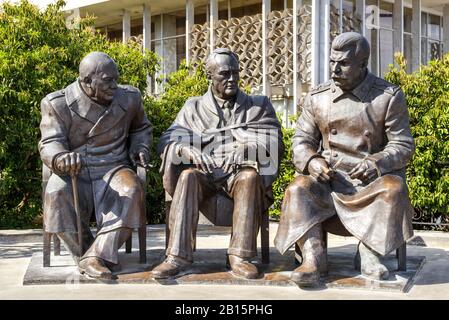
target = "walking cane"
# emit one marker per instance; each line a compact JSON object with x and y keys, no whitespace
{"x":77,"y":212}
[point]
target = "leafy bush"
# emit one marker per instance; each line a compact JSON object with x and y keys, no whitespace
{"x":40,"y":55}
{"x":162,"y":111}
{"x":286,"y":174}
{"x":427,"y":94}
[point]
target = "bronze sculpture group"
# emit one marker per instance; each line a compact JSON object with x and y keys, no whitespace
{"x":351,"y":146}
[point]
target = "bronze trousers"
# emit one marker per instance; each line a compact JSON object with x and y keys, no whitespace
{"x":193,"y":187}
{"x":105,"y":246}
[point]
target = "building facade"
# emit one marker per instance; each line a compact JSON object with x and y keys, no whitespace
{"x":283,"y":45}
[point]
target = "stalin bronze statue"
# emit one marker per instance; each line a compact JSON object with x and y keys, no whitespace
{"x":97,"y":131}
{"x":351,"y":146}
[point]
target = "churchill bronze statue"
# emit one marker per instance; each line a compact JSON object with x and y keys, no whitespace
{"x":224,"y":141}
{"x":351,"y":147}
{"x":96,"y":130}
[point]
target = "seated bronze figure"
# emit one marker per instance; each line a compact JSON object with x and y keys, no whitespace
{"x":351,"y":146}
{"x":96,"y":131}
{"x":222,"y":142}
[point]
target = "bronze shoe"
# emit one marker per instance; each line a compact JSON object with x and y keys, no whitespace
{"x":242,"y":268}
{"x":368,"y":262}
{"x":113,"y":267}
{"x":171,"y":266}
{"x":95,"y":268}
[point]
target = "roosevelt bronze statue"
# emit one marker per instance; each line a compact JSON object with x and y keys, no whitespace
{"x":351,"y":146}
{"x":224,"y":141}
{"x":96,"y":131}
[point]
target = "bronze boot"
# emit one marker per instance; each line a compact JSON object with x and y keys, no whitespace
{"x":314,"y":261}
{"x":368,"y":262}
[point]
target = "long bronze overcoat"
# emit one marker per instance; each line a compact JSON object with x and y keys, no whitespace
{"x":104,"y":137}
{"x":369,"y":122}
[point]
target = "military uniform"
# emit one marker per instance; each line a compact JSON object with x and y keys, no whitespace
{"x":107,"y":185}
{"x":369,"y":122}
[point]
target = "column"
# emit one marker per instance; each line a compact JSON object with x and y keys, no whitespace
{"x":416,"y":34}
{"x":398,"y":26}
{"x":146,"y":26}
{"x":296,"y":89}
{"x":189,"y":23}
{"x":213,"y":18}
{"x":325,"y":36}
{"x":126,"y":26}
{"x":360,"y":10}
{"x":266,"y":8}
{"x":315,"y":72}
{"x":446,"y":28}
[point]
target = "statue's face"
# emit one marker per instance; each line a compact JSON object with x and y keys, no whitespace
{"x":347,"y":69}
{"x":104,"y":84}
{"x":225,"y":77}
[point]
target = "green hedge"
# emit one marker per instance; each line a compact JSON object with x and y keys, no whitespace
{"x":38,"y":55}
{"x":162,"y":111}
{"x":427,"y":94}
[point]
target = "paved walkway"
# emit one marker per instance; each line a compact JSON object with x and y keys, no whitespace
{"x":17,"y":247}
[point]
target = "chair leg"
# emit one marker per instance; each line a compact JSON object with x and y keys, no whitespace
{"x":265,"y":238}
{"x":401,"y":255}
{"x":298,"y":255}
{"x":56,"y":245}
{"x":142,"y":231}
{"x":167,"y":218}
{"x":46,"y":248}
{"x":129,"y":244}
{"x":325,"y":243}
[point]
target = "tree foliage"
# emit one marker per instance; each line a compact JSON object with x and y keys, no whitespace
{"x":427,"y":94}
{"x":39,"y":55}
{"x":162,"y":111}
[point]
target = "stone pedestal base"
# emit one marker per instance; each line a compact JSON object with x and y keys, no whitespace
{"x":209,"y":268}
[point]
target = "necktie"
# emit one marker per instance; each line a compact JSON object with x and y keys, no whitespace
{"x":227,"y":111}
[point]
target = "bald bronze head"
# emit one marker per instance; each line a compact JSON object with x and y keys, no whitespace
{"x":98,"y":76}
{"x":349,"y":59}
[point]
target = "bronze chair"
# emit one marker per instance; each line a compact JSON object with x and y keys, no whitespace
{"x":218,"y":210}
{"x":335,"y":226}
{"x":47,"y":237}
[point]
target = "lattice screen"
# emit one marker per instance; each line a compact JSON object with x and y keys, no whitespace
{"x":351,"y":22}
{"x":244,"y":37}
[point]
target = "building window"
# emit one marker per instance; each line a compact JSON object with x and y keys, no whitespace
{"x":408,"y":16}
{"x":168,"y":42}
{"x":379,"y":32}
{"x":431,"y":37}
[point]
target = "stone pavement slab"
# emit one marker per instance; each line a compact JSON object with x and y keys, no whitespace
{"x":430,"y":282}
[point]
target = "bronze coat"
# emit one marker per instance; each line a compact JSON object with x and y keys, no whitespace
{"x":370,"y":122}
{"x":199,"y":123}
{"x":71,"y":121}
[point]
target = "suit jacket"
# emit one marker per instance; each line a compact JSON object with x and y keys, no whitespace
{"x":370,"y":122}
{"x":199,"y":124}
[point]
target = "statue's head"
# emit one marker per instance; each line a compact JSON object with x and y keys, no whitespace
{"x":349,"y":59}
{"x":222,"y":67}
{"x":98,"y":76}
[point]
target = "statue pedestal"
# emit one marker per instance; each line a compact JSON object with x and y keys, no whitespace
{"x":209,"y":269}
